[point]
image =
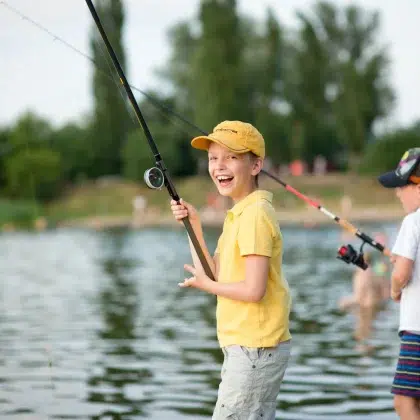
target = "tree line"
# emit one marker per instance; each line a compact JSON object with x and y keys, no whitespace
{"x":316,"y":89}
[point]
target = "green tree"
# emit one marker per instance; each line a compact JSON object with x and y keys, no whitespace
{"x":360,"y":70}
{"x":384,"y":153}
{"x":33,"y":174}
{"x":336,"y":82}
{"x":229,"y":70}
{"x":306,"y":89}
{"x":216,"y":75}
{"x":179,"y":69}
{"x":111,"y":120}
{"x":317,"y":90}
{"x":264,"y":67}
{"x":5,"y":149}
{"x":33,"y":168}
{"x":71,"y":142}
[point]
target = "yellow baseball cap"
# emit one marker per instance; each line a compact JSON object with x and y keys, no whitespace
{"x":237,"y":136}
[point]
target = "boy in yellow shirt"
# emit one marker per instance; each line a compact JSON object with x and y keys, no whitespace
{"x":253,"y":299}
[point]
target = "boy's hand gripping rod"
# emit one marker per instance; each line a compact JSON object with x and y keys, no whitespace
{"x":158,"y":176}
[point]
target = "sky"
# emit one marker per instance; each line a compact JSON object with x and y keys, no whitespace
{"x":42,"y":75}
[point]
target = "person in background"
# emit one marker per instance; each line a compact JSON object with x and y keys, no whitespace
{"x":405,"y":283}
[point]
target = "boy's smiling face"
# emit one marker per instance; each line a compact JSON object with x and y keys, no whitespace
{"x":233,"y":173}
{"x":409,"y":196}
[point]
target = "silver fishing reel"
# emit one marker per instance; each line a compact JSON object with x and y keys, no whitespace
{"x":154,"y":178}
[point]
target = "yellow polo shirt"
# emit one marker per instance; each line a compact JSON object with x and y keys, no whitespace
{"x":251,"y":228}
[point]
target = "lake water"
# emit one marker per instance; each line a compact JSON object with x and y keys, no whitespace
{"x":94,"y":326}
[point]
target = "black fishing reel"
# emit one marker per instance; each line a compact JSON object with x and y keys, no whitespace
{"x":349,"y":255}
{"x":154,"y":178}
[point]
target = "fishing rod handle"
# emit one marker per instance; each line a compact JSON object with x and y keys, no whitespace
{"x":197,"y":247}
{"x":377,"y":245}
{"x":365,"y":238}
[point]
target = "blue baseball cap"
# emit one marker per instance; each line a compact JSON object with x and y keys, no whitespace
{"x":402,"y":175}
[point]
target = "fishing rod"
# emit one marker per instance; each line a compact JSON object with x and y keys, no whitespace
{"x":346,"y":252}
{"x":158,"y":176}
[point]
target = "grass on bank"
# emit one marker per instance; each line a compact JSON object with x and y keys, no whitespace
{"x":114,"y":198}
{"x":18,"y":213}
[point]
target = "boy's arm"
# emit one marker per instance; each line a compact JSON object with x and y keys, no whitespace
{"x":252,"y":288}
{"x":255,"y":242}
{"x":401,"y":274}
{"x":404,"y":255}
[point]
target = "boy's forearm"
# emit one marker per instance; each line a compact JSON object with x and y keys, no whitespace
{"x":397,"y":283}
{"x":395,"y":287}
{"x":235,"y":291}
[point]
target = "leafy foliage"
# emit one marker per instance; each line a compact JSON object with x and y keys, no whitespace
{"x":33,"y":168}
{"x":33,"y":174}
{"x":384,"y":154}
{"x":111,"y":121}
{"x":18,"y":212}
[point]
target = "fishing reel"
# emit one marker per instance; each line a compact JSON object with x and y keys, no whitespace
{"x":154,"y":178}
{"x":349,"y":255}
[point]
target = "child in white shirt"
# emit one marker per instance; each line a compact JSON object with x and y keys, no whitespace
{"x":405,"y":283}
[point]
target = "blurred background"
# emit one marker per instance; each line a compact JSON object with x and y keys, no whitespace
{"x":93,"y":325}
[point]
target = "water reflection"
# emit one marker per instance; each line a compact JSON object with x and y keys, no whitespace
{"x":125,"y":342}
{"x":119,"y":298}
{"x":118,"y":303}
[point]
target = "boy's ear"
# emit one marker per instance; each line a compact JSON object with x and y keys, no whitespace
{"x":257,"y":166}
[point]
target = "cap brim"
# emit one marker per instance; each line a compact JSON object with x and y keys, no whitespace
{"x":391,"y":180}
{"x":203,"y":143}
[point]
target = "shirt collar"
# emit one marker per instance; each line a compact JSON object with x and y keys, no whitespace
{"x":255,"y":196}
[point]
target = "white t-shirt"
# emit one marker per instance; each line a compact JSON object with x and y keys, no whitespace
{"x":408,"y":245}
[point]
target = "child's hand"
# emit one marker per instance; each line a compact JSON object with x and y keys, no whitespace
{"x":199,"y":280}
{"x":395,"y":296}
{"x":184,"y":209}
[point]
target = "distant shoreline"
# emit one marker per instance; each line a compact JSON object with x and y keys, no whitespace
{"x":307,"y":218}
{"x":106,"y":204}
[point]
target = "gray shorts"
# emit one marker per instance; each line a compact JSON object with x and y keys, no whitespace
{"x":251,"y":379}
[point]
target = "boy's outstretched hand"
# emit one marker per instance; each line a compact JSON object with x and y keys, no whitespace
{"x":183,"y":210}
{"x":199,"y":279}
